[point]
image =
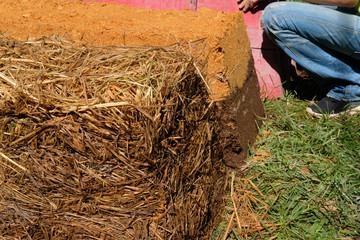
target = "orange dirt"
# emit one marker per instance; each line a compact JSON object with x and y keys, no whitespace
{"x":113,"y":24}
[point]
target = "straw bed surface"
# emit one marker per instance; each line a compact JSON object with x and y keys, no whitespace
{"x":106,"y":143}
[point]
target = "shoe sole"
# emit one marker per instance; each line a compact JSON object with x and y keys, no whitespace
{"x":350,"y":112}
{"x":354,"y":111}
{"x":318,"y":115}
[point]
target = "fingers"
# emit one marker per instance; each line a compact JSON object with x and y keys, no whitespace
{"x":245,"y":5}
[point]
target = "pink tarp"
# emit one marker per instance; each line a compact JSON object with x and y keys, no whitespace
{"x":264,"y":52}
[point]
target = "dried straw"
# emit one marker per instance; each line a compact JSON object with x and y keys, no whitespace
{"x":106,"y":143}
{"x":245,"y":197}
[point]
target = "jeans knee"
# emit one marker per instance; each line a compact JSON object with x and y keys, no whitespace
{"x":267,"y":15}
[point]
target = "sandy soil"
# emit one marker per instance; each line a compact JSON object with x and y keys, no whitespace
{"x":110,"y":24}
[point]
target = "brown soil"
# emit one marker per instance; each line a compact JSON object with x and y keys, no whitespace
{"x":110,"y":24}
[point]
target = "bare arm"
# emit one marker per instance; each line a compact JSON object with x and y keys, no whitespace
{"x":246,"y":5}
{"x":340,"y":3}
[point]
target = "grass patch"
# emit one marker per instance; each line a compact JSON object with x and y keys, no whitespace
{"x":306,"y":177}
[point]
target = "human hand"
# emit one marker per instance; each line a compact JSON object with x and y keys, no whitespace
{"x":246,"y":5}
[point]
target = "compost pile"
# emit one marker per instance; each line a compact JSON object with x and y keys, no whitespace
{"x":106,"y":143}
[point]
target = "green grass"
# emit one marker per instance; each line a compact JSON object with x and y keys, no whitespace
{"x":313,"y":166}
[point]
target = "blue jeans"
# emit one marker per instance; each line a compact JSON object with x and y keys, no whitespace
{"x":324,"y":40}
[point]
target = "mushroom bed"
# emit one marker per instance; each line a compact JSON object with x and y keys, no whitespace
{"x":120,"y":122}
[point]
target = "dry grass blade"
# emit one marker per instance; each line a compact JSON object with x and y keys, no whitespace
{"x":12,"y":161}
{"x":243,"y":200}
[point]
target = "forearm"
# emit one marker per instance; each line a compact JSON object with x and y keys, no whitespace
{"x":340,"y":3}
{"x":246,"y":5}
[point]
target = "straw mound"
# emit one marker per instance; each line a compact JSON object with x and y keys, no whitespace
{"x":108,"y":143}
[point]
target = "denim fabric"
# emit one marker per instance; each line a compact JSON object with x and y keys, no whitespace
{"x":323,"y":40}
